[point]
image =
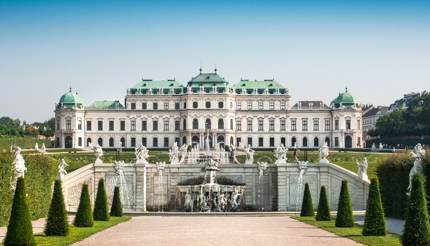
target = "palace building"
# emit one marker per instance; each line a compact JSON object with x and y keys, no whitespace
{"x":250,"y":112}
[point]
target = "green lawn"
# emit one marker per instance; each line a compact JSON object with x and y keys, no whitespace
{"x":353,"y":233}
{"x":79,"y":233}
{"x":26,"y":142}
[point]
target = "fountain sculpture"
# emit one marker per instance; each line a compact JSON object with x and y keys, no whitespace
{"x":120,"y":181}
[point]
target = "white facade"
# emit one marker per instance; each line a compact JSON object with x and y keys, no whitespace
{"x":258,"y":113}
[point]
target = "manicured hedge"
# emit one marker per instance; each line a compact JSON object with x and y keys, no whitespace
{"x":307,"y":206}
{"x":41,"y":171}
{"x":374,"y":221}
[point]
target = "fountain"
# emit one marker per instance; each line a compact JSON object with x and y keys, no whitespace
{"x":120,"y":181}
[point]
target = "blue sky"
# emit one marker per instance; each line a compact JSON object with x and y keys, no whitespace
{"x":378,"y":49}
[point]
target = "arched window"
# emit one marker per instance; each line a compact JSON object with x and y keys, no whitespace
{"x":195,"y":104}
{"x":100,"y":142}
{"x":208,"y":124}
{"x":184,"y":140}
{"x":316,"y":142}
{"x":195,"y":124}
{"x":293,"y":141}
{"x":220,"y":124}
{"x":194,"y":141}
{"x":111,"y":142}
{"x":220,"y":141}
{"x":208,"y":104}
{"x":231,"y":124}
{"x":220,"y":104}
{"x":88,"y":141}
{"x":327,"y":140}
{"x":122,"y":142}
{"x":305,"y":142}
{"x":231,"y":141}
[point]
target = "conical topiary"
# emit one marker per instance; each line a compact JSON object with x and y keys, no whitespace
{"x":323,"y":213}
{"x":19,"y":229}
{"x":417,"y":228}
{"x":116,"y":209}
{"x":84,"y":217}
{"x":307,"y":206}
{"x":101,"y":212}
{"x":57,"y":217}
{"x":344,"y":216}
{"x":374,"y":222}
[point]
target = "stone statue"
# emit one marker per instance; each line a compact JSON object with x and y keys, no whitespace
{"x":141,"y":153}
{"x":160,"y":167}
{"x":261,"y":166}
{"x":36,"y":147}
{"x":381,"y":147}
{"x":183,"y":150}
{"x":281,"y":154}
{"x":362,"y":169}
{"x":222,"y":202}
{"x":188,"y":204}
{"x":43,"y":149}
{"x":19,"y":168}
{"x":296,"y":153}
{"x":417,"y":169}
{"x":373,"y":149}
{"x":98,"y":151}
{"x":324,"y":152}
{"x":249,"y":155}
{"x":174,"y":154}
{"x":233,"y":155}
{"x":61,"y":169}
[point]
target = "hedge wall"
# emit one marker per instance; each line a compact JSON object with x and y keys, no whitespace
{"x":393,"y":174}
{"x":41,"y":172}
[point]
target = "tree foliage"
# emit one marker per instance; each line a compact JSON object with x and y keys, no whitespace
{"x":344,"y":216}
{"x":100,"y":207}
{"x":323,"y":213}
{"x":57,"y":217}
{"x":84,"y":217}
{"x":307,"y":206}
{"x":374,"y":222}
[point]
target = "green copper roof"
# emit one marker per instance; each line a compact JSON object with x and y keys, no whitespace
{"x":70,"y":100}
{"x":156,"y":86}
{"x":344,"y":99}
{"x":208,"y":80}
{"x":261,"y":86}
{"x":105,"y":104}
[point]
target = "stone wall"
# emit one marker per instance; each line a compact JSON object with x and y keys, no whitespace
{"x":276,"y":190}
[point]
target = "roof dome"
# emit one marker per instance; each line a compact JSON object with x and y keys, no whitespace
{"x":344,"y":99}
{"x":70,"y":99}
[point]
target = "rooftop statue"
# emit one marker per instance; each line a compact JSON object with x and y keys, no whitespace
{"x":417,"y":169}
{"x":362,"y":169}
{"x":62,"y":169}
{"x":281,"y":154}
{"x":141,"y":153}
{"x":324,"y":152}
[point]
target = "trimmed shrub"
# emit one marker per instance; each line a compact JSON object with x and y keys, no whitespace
{"x":323,"y":213}
{"x":84,"y":217}
{"x":417,"y":227}
{"x":307,"y":206}
{"x":116,"y":209}
{"x":344,"y":216}
{"x":101,"y":212}
{"x":19,"y":229}
{"x":57,"y":217}
{"x":374,"y":222}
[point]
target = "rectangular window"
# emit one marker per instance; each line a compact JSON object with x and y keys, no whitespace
{"x":249,"y":105}
{"x":166,"y":106}
{"x":166,"y":142}
{"x":166,"y":125}
{"x":68,"y":124}
{"x":238,"y":105}
{"x":79,"y":124}
{"x":89,"y":125}
{"x":316,"y":124}
{"x":185,"y":124}
{"x":336,"y":124}
{"x":260,"y":142}
{"x":79,"y":141}
{"x":111,"y":125}
{"x":260,"y":125}
{"x":283,"y":141}
{"x":144,"y":142}
{"x":272,"y":142}
{"x":177,"y":105}
{"x":327,"y":124}
{"x":133,"y":142}
{"x":177,"y":125}
{"x":58,"y":121}
{"x":133,"y":105}
{"x":144,"y":106}
{"x":249,"y":125}
{"x":144,"y":125}
{"x":271,"y":105}
{"x":282,"y":125}
{"x":293,"y":125}
{"x":155,"y":106}
{"x":155,"y":125}
{"x":122,"y":125}
{"x":304,"y":124}
{"x":100,"y":125}
{"x":154,"y":142}
{"x":177,"y":140}
{"x":336,"y":142}
{"x":133,"y":125}
{"x":239,"y":125}
{"x":260,"y":105}
{"x":283,"y":105}
{"x":238,"y":141}
{"x":271,"y":125}
{"x":348,"y":124}
{"x":250,"y":141}
{"x":359,"y":124}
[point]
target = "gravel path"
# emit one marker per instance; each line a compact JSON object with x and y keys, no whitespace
{"x":202,"y":230}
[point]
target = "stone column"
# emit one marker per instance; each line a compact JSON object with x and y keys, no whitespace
{"x":144,"y":188}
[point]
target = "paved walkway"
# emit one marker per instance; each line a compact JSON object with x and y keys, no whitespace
{"x":202,"y":230}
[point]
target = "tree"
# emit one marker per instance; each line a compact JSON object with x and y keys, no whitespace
{"x":374,"y":222}
{"x":84,"y":217}
{"x":19,"y":229}
{"x":57,"y":217}
{"x":323,"y":213}
{"x":344,"y":216}
{"x":417,"y":227}
{"x":100,"y":207}
{"x":307,"y":206}
{"x":116,"y":209}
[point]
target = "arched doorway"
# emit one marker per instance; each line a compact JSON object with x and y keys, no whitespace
{"x":88,"y":142}
{"x":348,"y":142}
{"x":221,"y":141}
{"x":195,"y":141}
{"x":68,"y":142}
